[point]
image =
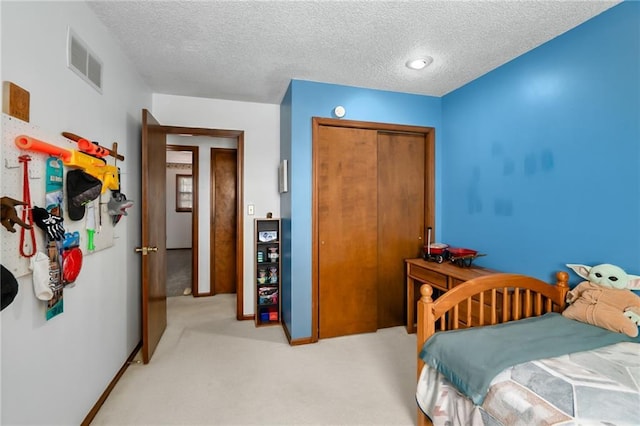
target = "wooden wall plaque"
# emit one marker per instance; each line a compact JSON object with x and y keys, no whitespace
{"x":15,"y":101}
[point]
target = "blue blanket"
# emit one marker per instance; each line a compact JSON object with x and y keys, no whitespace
{"x":471,"y":358}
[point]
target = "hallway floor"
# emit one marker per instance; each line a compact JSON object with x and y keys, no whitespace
{"x":178,"y":271}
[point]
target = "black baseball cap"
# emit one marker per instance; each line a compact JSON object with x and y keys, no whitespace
{"x":81,"y":188}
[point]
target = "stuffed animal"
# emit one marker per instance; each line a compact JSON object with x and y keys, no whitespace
{"x":604,"y":300}
{"x":9,"y":214}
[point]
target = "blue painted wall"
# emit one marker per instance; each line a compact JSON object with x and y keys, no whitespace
{"x":537,"y":162}
{"x":285,"y":214}
{"x":305,"y":100}
{"x":541,"y":158}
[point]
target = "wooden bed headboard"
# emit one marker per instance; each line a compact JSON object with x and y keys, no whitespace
{"x":488,"y":300}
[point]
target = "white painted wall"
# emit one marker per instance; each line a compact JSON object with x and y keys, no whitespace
{"x":53,"y":372}
{"x":261,"y":126}
{"x":178,"y":223}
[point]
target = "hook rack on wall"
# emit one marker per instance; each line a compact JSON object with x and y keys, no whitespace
{"x":10,"y":166}
{"x":32,"y":173}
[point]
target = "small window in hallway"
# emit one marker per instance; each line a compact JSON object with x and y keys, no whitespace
{"x":184,"y":193}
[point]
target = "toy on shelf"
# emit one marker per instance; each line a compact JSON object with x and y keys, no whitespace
{"x":439,"y":252}
{"x":462,"y":257}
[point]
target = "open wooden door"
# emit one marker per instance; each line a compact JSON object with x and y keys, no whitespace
{"x":153,"y":249}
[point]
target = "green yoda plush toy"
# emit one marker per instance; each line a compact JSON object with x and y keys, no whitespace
{"x":605,"y":299}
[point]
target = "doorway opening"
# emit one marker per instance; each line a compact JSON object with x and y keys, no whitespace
{"x":182,"y":220}
{"x":211,"y":168}
{"x":153,"y":227}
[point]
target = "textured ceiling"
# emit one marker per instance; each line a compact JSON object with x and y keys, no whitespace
{"x":250,"y":50}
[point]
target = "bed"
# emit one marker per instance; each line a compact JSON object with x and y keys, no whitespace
{"x":496,"y":350}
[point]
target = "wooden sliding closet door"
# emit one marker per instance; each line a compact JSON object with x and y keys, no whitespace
{"x":347,"y":230}
{"x":401,"y":207}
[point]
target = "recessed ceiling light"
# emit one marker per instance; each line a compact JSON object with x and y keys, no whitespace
{"x":420,"y":63}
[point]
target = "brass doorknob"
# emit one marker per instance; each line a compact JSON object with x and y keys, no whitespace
{"x":146,"y":250}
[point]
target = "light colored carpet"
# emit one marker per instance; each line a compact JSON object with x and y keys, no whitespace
{"x":210,"y":369}
{"x":178,"y":271}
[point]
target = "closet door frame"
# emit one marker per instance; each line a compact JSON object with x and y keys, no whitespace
{"x":429,"y":196}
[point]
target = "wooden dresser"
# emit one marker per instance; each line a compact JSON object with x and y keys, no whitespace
{"x":441,"y":276}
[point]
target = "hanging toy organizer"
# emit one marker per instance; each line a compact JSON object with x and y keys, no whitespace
{"x":40,"y":145}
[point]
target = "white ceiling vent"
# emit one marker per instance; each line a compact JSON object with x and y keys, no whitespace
{"x":83,"y":61}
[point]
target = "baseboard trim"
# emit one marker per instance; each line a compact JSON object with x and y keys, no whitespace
{"x":295,"y":342}
{"x":92,"y":414}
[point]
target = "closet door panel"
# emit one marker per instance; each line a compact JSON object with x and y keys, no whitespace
{"x":401,"y":221}
{"x":347,"y":230}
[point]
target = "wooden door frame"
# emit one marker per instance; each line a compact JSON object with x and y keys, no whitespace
{"x":194,"y":210}
{"x":238,"y":135}
{"x":429,"y":196}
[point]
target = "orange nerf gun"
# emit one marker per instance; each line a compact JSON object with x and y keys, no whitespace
{"x":94,"y":166}
{"x":92,"y":148}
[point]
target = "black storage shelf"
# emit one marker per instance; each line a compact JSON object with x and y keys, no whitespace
{"x":266,"y":268}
